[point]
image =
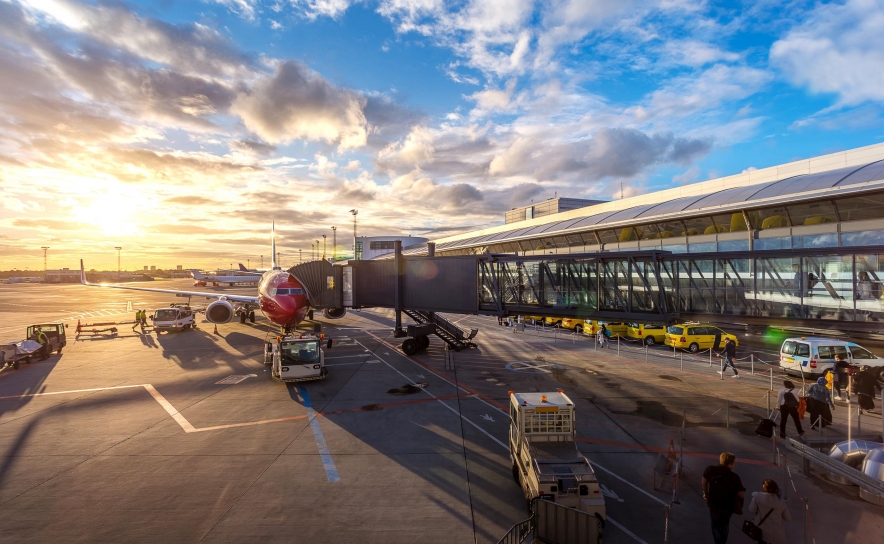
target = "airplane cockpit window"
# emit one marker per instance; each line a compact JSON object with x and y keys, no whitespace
{"x":289,"y":291}
{"x":306,"y":352}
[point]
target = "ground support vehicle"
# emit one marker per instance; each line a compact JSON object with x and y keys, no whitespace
{"x":811,"y":357}
{"x":546,"y":461}
{"x":177,"y":317}
{"x":697,"y":336}
{"x":54,"y":332}
{"x":296,"y":357}
{"x":647,"y":334}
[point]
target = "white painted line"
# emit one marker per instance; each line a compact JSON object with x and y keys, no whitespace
{"x":630,"y":484}
{"x":72,"y":391}
{"x":348,"y":356}
{"x":331,"y":471}
{"x":176,"y":415}
{"x":608,"y":519}
{"x":356,"y":363}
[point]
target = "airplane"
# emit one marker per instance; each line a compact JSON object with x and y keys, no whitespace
{"x":281,"y":298}
{"x":202,"y":279}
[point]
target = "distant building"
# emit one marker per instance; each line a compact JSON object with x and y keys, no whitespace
{"x":179,"y":273}
{"x":178,"y":267}
{"x":548,"y":207}
{"x":369,"y":247}
{"x":153,"y":268}
{"x":24,"y":279}
{"x":145,"y":268}
{"x":65,"y":275}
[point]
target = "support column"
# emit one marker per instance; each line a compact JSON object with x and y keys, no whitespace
{"x":431,"y":249}
{"x":399,"y":266}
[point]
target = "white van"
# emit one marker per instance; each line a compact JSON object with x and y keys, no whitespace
{"x":813,"y":356}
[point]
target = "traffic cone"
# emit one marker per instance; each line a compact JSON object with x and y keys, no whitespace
{"x":671,"y":455}
{"x":216,"y":330}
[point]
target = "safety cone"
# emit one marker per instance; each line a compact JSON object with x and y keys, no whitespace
{"x":216,"y":330}
{"x":671,"y":455}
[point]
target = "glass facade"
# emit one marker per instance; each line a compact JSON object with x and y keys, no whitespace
{"x":843,"y":286}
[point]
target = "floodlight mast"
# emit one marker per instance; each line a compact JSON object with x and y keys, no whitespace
{"x":355,"y":213}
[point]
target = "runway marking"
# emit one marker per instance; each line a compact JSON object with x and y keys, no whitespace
{"x":328,"y":464}
{"x":624,"y":529}
{"x":356,"y":363}
{"x":176,"y":415}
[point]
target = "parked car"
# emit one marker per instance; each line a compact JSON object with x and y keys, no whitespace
{"x":813,"y":356}
{"x":648,"y":333}
{"x":697,"y":336}
{"x":617,"y":328}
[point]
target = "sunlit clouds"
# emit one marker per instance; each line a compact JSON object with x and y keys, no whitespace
{"x":180,"y":134}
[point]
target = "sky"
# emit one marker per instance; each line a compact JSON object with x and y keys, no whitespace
{"x":179,"y":130}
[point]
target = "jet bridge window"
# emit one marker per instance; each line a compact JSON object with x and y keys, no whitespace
{"x":545,"y":422}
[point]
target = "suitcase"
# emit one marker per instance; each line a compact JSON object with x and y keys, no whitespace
{"x":765,"y":428}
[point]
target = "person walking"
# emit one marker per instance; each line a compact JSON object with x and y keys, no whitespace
{"x":819,"y":404}
{"x":728,"y":354}
{"x":723,"y":491}
{"x":866,"y":384}
{"x":842,"y":379}
{"x":787,"y":404}
{"x":770,"y":512}
{"x":137,"y":319}
{"x":603,"y":337}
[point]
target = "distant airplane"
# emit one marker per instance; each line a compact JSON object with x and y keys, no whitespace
{"x":245,"y":270}
{"x":281,"y":298}
{"x":202,"y":279}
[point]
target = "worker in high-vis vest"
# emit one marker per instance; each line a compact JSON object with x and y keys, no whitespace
{"x":44,"y":343}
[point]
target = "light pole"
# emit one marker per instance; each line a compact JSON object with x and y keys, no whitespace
{"x":45,"y":249}
{"x":262,"y":261}
{"x":300,"y":259}
{"x":119,"y":268}
{"x":312,"y":254}
{"x":323,"y":247}
{"x":354,"y":212}
{"x":334,"y":243}
{"x":317,"y":250}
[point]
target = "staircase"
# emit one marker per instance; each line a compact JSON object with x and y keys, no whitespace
{"x":450,"y":333}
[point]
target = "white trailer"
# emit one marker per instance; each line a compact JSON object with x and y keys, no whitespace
{"x":546,"y":461}
{"x":296,"y":357}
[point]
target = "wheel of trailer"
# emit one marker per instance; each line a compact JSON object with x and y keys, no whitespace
{"x":409,"y":346}
{"x":423,"y":342}
{"x":251,"y":317}
{"x":578,"y":329}
{"x":15,"y":364}
{"x":694,"y":348}
{"x":242,"y":318}
{"x":649,"y":341}
{"x":59,"y":350}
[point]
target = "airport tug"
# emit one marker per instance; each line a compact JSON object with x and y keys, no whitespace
{"x":546,"y":461}
{"x":296,"y":357}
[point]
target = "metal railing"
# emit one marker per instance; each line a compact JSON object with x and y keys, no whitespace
{"x":518,"y":532}
{"x":559,"y":524}
{"x":836,"y":467}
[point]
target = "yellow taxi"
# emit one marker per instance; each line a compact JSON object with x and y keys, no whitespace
{"x":648,"y":334}
{"x":573,"y":324}
{"x":696,"y":336}
{"x":591,"y":327}
{"x":552,"y":321}
{"x":531,"y":319}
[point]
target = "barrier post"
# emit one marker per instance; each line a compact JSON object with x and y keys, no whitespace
{"x":684,"y":419}
{"x":681,"y":356}
{"x":710,"y":356}
{"x":681,"y":363}
{"x":859,"y":422}
{"x":849,"y":417}
{"x":646,"y":354}
{"x":618,"y":345}
{"x":727,"y":414}
{"x":771,"y":378}
{"x":785,"y":481}
{"x":673,"y":351}
{"x":752,"y":360}
{"x":768,"y":402}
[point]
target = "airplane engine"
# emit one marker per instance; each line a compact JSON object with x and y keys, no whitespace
{"x":219,"y":311}
{"x":334,"y":313}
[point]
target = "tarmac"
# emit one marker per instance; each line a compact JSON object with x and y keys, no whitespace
{"x":130,"y":437}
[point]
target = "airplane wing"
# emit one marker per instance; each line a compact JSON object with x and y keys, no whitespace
{"x":195,"y":294}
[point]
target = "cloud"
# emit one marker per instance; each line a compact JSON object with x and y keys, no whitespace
{"x":416,"y":186}
{"x":253,"y":147}
{"x":318,"y":8}
{"x":837,"y":48}
{"x":610,"y":153}
{"x":192,"y":200}
{"x":297,"y":103}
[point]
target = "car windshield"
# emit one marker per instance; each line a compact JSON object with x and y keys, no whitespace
{"x":165,"y":315}
{"x":675,"y":330}
{"x":300,"y":351}
{"x":860,"y":353}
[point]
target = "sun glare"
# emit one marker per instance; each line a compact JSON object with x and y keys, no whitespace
{"x":113,"y":214}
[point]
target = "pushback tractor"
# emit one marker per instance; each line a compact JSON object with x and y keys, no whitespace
{"x":296,"y":357}
{"x":546,"y":461}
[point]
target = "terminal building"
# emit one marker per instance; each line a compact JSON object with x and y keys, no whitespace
{"x":802,"y":242}
{"x":371,"y":247}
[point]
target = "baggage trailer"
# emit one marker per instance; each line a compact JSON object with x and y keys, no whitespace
{"x":546,"y":461}
{"x":14,"y":353}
